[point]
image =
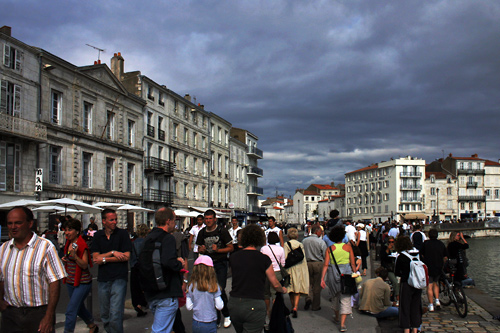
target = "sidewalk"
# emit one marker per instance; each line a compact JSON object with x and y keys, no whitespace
{"x":307,"y":321}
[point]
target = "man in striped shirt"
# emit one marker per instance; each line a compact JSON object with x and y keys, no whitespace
{"x":30,"y":277}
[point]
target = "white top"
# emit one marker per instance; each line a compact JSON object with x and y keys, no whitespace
{"x":362,"y":235}
{"x":394,"y":232}
{"x":275,"y":229}
{"x":350,"y":232}
{"x":194,"y":231}
{"x":233,"y":233}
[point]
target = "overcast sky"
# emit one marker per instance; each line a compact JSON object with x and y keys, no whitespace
{"x":328,"y":86}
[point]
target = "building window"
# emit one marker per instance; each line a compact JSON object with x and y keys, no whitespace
{"x":176,"y":130}
{"x":186,"y":163}
{"x":462,"y":205}
{"x":195,"y":140}
{"x":55,"y":165}
{"x":471,"y":205}
{"x":212,"y":155}
{"x":186,"y":136}
{"x":386,"y":196}
{"x":56,"y":106}
{"x":87,"y":170}
{"x":10,"y":167}
{"x":87,"y":117}
{"x":449,"y":190}
{"x":186,"y":190}
{"x":10,"y":98}
{"x":161,"y":99}
{"x":203,"y":192}
{"x":130,"y":178}
{"x":433,"y":204}
{"x":449,"y":204}
{"x":110,"y":174}
{"x":110,"y":125}
{"x":226,"y":166}
{"x":150,"y":93}
{"x":219,"y":163}
{"x":131,"y":133}
{"x":195,"y":165}
{"x":496,"y":194}
{"x":12,"y":57}
{"x":386,"y":183}
{"x":433,"y":191}
{"x":479,"y":205}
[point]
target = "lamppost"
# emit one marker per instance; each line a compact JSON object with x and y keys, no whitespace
{"x":437,"y":199}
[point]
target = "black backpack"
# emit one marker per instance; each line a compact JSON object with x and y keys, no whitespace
{"x":294,"y":256}
{"x":152,"y":276}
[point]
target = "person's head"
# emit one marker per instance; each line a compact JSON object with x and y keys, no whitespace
{"x":454,"y":236}
{"x":92,"y":219}
{"x":360,"y":226}
{"x":199,"y":220}
{"x":418,"y":226}
{"x":382,"y":273}
{"x":109,"y":219}
{"x":391,"y":240}
{"x":272,"y":222}
{"x":273,"y":238}
{"x":234,"y":222}
{"x":403,"y":243}
{"x":433,"y":233}
{"x":347,"y":222}
{"x":19,"y":223}
{"x":210,"y":219}
{"x":334,"y":213}
{"x":142,"y":230}
{"x":316,"y":230}
{"x":203,"y":277}
{"x":253,"y":235}
{"x":165,"y":219}
{"x":238,"y":235}
{"x":293,"y":233}
{"x":73,"y":229}
{"x":337,"y":234}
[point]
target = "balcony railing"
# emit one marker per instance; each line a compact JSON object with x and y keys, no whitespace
{"x":153,"y":164}
{"x":471,"y":198}
{"x":472,"y":184}
{"x":471,"y":171}
{"x":154,"y":195}
{"x":150,"y":131}
{"x":54,"y":177}
{"x":411,"y":187}
{"x":411,"y":174}
{"x":255,"y":190}
{"x":255,"y":152}
{"x":255,"y":171}
{"x":22,"y":127}
{"x":161,"y":135}
{"x":411,"y":200}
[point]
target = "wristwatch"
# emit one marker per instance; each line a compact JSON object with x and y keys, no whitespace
{"x":103,"y":260}
{"x":185,"y":281}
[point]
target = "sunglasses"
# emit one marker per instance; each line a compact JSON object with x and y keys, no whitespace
{"x":391,"y":241}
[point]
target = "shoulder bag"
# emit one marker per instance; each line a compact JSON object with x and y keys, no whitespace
{"x":294,"y":257}
{"x":347,"y":282}
{"x":285,"y":276}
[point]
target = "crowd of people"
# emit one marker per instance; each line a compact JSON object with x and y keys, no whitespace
{"x":264,"y":264}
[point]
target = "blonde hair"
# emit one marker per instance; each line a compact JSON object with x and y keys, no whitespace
{"x":293,"y":233}
{"x":204,"y":278}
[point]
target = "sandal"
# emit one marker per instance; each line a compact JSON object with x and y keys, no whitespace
{"x":93,"y":329}
{"x":343,"y":328}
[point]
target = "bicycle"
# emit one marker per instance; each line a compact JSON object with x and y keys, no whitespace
{"x":452,"y":291}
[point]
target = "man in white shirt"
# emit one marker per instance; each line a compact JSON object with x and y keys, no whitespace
{"x":233,"y":231}
{"x":394,"y":231}
{"x":350,"y":231}
{"x":274,"y":228}
{"x":194,"y":235}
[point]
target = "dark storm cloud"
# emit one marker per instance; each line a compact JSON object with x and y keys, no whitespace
{"x":327,"y":86}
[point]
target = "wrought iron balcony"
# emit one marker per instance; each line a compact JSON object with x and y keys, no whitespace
{"x":472,"y":184}
{"x":411,"y":200}
{"x":161,"y":135}
{"x":255,"y":190}
{"x":150,"y":131}
{"x":255,"y":171}
{"x":256,"y":152}
{"x":157,"y":165}
{"x":154,"y":195}
{"x":471,"y":198}
{"x":471,"y":171}
{"x":411,"y":187}
{"x":411,"y":174}
{"x":22,"y":128}
{"x":256,"y":209}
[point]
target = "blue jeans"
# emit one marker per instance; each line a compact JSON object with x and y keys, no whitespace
{"x":201,"y":327}
{"x":112,"y":304}
{"x":391,"y":311}
{"x":164,"y":311}
{"x":76,"y":306}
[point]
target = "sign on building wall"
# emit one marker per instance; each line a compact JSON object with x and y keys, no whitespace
{"x":39,"y":180}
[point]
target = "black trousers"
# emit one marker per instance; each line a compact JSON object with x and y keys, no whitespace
{"x":23,"y":320}
{"x":410,"y":306}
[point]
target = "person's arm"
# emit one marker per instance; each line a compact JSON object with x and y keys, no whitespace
{"x":357,"y":236}
{"x":219,"y":303}
{"x":229,"y":248}
{"x":282,"y":242}
{"x":189,"y":303}
{"x":111,"y":256}
{"x":47,"y":323}
{"x":274,"y":281}
{"x":83,"y":262}
{"x":352,"y":259}
{"x":325,"y":267}
{"x":191,"y":242}
{"x":3,"y":303}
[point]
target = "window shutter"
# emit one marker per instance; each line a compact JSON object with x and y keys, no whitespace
{"x":17,"y":168}
{"x":17,"y":101}
{"x":19,"y":60}
{"x":6,"y":55}
{"x":3,"y":166}
{"x":3,"y":96}
{"x":90,"y":171}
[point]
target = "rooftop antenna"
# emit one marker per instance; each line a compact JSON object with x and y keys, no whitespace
{"x":99,"y":51}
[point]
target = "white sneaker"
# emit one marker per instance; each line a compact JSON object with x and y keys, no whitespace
{"x":438,"y":304}
{"x":431,"y":307}
{"x":227,"y":322}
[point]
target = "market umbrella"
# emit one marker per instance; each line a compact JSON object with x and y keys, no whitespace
{"x":107,"y":204}
{"x":21,"y":202}
{"x":67,"y":203}
{"x":182,"y":213}
{"x":56,"y":209}
{"x":136,"y":209}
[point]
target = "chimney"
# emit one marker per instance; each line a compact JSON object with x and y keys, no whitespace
{"x":117,"y":65}
{"x":201,"y":106}
{"x":475,"y":155}
{"x":187,"y":97}
{"x":6,"y":30}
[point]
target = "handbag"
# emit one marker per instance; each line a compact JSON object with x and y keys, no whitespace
{"x":347,"y":282}
{"x":294,"y":257}
{"x":285,"y":276}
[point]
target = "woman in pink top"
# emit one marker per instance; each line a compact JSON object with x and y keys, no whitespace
{"x":276,"y":253}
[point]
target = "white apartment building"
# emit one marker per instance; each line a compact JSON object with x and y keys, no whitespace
{"x":325,"y":206}
{"x":440,"y":196}
{"x":219,"y":157}
{"x":238,"y":176}
{"x":305,"y":205}
{"x":387,"y":190}
{"x":492,"y":188}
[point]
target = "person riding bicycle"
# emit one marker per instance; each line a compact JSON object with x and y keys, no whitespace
{"x":456,"y":253}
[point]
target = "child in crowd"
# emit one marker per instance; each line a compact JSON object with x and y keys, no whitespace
{"x":204,"y":296}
